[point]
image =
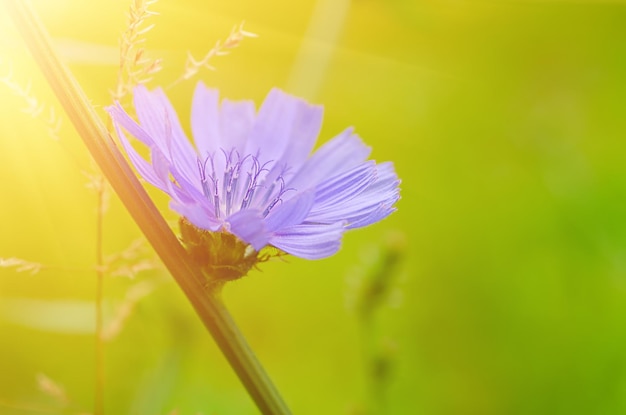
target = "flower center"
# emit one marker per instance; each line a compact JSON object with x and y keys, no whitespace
{"x":233,"y":183}
{"x":221,"y":255}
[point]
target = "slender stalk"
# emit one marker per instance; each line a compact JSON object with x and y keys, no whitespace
{"x":99,"y":386}
{"x":208,"y":305}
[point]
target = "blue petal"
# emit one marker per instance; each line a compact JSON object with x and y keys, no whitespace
{"x":160,"y":164}
{"x":380,"y":213}
{"x":346,"y":186}
{"x":386,"y":179}
{"x":205,"y":120}
{"x":216,"y":127}
{"x":156,"y":174}
{"x":236,"y":120}
{"x":285,"y":128}
{"x":374,"y":203}
{"x":196,"y":214}
{"x":119,"y":115}
{"x":248,"y":225}
{"x":186,"y":192}
{"x":143,"y":167}
{"x":157,"y":116}
{"x":309,"y":240}
{"x":339,"y":155}
{"x":292,"y":212}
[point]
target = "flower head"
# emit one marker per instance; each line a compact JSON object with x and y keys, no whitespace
{"x":250,"y":176}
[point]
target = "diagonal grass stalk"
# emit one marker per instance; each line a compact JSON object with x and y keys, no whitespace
{"x":207,"y":303}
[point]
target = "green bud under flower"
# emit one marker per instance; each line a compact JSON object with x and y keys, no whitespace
{"x":221,"y":255}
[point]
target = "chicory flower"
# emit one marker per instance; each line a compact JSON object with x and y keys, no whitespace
{"x":251,"y":181}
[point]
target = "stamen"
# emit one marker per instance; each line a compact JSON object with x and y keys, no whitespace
{"x":268,"y":194}
{"x":216,"y":199}
{"x":246,"y":194}
{"x":226,"y":182}
{"x":232,"y":188}
{"x":232,"y":191}
{"x":205,"y":189}
{"x":203,"y":177}
{"x":278,"y":197}
{"x":253,"y":176}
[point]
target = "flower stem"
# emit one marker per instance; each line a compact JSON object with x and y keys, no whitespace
{"x":99,"y":386}
{"x":188,"y":275}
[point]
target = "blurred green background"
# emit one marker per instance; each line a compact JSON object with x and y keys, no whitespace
{"x":505,"y":120}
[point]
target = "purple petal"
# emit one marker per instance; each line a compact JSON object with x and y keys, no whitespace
{"x":160,"y":164}
{"x":350,"y":212}
{"x":285,"y":128}
{"x":346,"y":186}
{"x":386,"y":179}
{"x":218,"y":127}
{"x":156,"y":173}
{"x":196,"y":214}
{"x":292,"y":212}
{"x":380,"y":213}
{"x":249,"y":226}
{"x":120,"y":116}
{"x":337,"y":156}
{"x":236,"y":120}
{"x":143,"y":167}
{"x":374,"y":203}
{"x":205,"y":120}
{"x":157,"y":116}
{"x":309,"y":241}
{"x":186,"y":192}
